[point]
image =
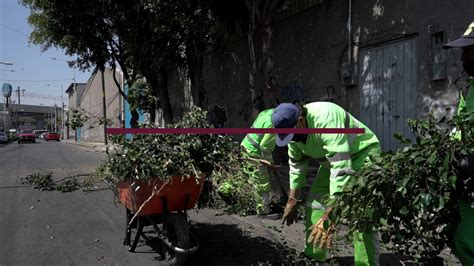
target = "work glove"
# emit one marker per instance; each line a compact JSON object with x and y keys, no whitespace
{"x":321,"y":235}
{"x":290,"y":214}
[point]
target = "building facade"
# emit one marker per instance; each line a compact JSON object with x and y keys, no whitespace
{"x":381,"y":60}
{"x":88,"y":99}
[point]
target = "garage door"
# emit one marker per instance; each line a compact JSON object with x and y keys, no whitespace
{"x":388,"y":88}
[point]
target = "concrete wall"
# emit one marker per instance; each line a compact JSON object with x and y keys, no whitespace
{"x":310,"y":47}
{"x":306,"y":59}
{"x":91,"y":102}
{"x":376,"y":21}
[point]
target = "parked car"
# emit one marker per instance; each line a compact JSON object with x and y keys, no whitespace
{"x":3,"y":137}
{"x":39,"y":132}
{"x":12,"y":135}
{"x":51,"y":136}
{"x":26,"y":136}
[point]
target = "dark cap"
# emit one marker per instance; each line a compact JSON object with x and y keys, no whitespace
{"x":285,"y":115}
{"x":467,"y":39}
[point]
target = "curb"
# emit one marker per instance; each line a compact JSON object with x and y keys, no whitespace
{"x":98,"y":147}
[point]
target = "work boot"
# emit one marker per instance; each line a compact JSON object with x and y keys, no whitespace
{"x":267,"y":212}
{"x":269,"y":215}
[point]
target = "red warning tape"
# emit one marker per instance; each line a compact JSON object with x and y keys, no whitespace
{"x":234,"y":131}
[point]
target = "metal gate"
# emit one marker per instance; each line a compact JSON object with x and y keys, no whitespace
{"x":388,"y":77}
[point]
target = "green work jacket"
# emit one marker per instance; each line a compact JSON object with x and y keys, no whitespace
{"x":467,"y":104}
{"x":338,"y":149}
{"x":261,"y":145}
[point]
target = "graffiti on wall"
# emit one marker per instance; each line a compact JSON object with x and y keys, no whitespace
{"x":293,"y":92}
{"x":296,"y":92}
{"x":217,"y":115}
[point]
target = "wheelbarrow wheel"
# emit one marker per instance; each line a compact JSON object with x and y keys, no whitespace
{"x":177,"y":233}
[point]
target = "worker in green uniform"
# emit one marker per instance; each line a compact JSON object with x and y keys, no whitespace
{"x":344,"y":153}
{"x":260,"y":147}
{"x":463,"y":235}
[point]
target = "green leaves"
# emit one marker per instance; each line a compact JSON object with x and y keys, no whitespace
{"x":412,"y":196}
{"x":402,"y":139}
{"x":147,"y":156}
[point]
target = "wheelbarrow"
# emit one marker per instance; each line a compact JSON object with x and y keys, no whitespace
{"x":163,"y":206}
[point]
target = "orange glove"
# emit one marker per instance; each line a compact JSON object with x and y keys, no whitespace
{"x":321,"y":235}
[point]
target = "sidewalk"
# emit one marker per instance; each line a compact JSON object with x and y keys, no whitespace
{"x":226,"y":238}
{"x":93,"y":146}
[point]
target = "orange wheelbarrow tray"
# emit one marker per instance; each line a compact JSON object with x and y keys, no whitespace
{"x":178,"y":194}
{"x":168,"y":206}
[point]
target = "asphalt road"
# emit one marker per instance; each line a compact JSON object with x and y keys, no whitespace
{"x":80,"y":228}
{"x":88,"y":228}
{"x":55,"y":228}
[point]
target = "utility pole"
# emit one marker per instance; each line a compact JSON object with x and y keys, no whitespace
{"x":52,"y":119}
{"x":18,"y":95}
{"x":62,"y":113}
{"x":4,"y":111}
{"x":104,"y":106}
{"x":56,"y":118}
{"x":17,"y":107}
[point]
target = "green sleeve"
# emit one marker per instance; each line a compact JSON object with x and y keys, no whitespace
{"x":298,"y":166}
{"x":462,"y":104}
{"x":267,"y":145}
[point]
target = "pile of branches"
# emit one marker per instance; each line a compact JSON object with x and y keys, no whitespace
{"x":413,"y":196}
{"x":43,"y":181}
{"x":147,"y":156}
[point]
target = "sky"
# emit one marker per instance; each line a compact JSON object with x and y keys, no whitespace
{"x":34,"y":71}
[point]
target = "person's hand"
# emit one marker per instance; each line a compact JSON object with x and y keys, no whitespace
{"x":289,"y":214}
{"x":321,"y":233}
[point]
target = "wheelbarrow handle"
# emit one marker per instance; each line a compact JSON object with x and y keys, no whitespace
{"x":272,"y":168}
{"x":264,"y":162}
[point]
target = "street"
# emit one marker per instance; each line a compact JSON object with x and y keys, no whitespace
{"x":87,"y":228}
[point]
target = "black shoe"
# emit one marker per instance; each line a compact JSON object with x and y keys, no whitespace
{"x":269,"y":216}
{"x":227,"y":199}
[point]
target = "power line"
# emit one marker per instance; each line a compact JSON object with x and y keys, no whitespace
{"x":15,"y":30}
{"x":38,"y":96}
{"x":51,"y":80}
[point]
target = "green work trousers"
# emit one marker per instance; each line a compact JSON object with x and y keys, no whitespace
{"x":366,"y":244}
{"x":463,"y":235}
{"x":260,"y":178}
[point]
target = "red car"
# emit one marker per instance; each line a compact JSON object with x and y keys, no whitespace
{"x":51,"y":136}
{"x":26,"y":136}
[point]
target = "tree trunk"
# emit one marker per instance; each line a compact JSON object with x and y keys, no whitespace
{"x":196,"y":47}
{"x":104,"y":104}
{"x":268,"y":66}
{"x":198,"y":90}
{"x":255,"y":91}
{"x":163,"y":96}
{"x":134,"y":118}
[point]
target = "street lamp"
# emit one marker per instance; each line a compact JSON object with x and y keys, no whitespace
{"x":73,"y":69}
{"x":6,"y":63}
{"x":7,"y":92}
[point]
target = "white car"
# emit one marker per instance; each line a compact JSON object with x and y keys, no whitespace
{"x":3,"y":137}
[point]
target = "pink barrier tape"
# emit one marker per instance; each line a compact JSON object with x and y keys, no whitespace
{"x":234,"y":131}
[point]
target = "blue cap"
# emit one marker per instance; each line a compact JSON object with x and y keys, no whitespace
{"x":285,"y":115}
{"x":467,"y":39}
